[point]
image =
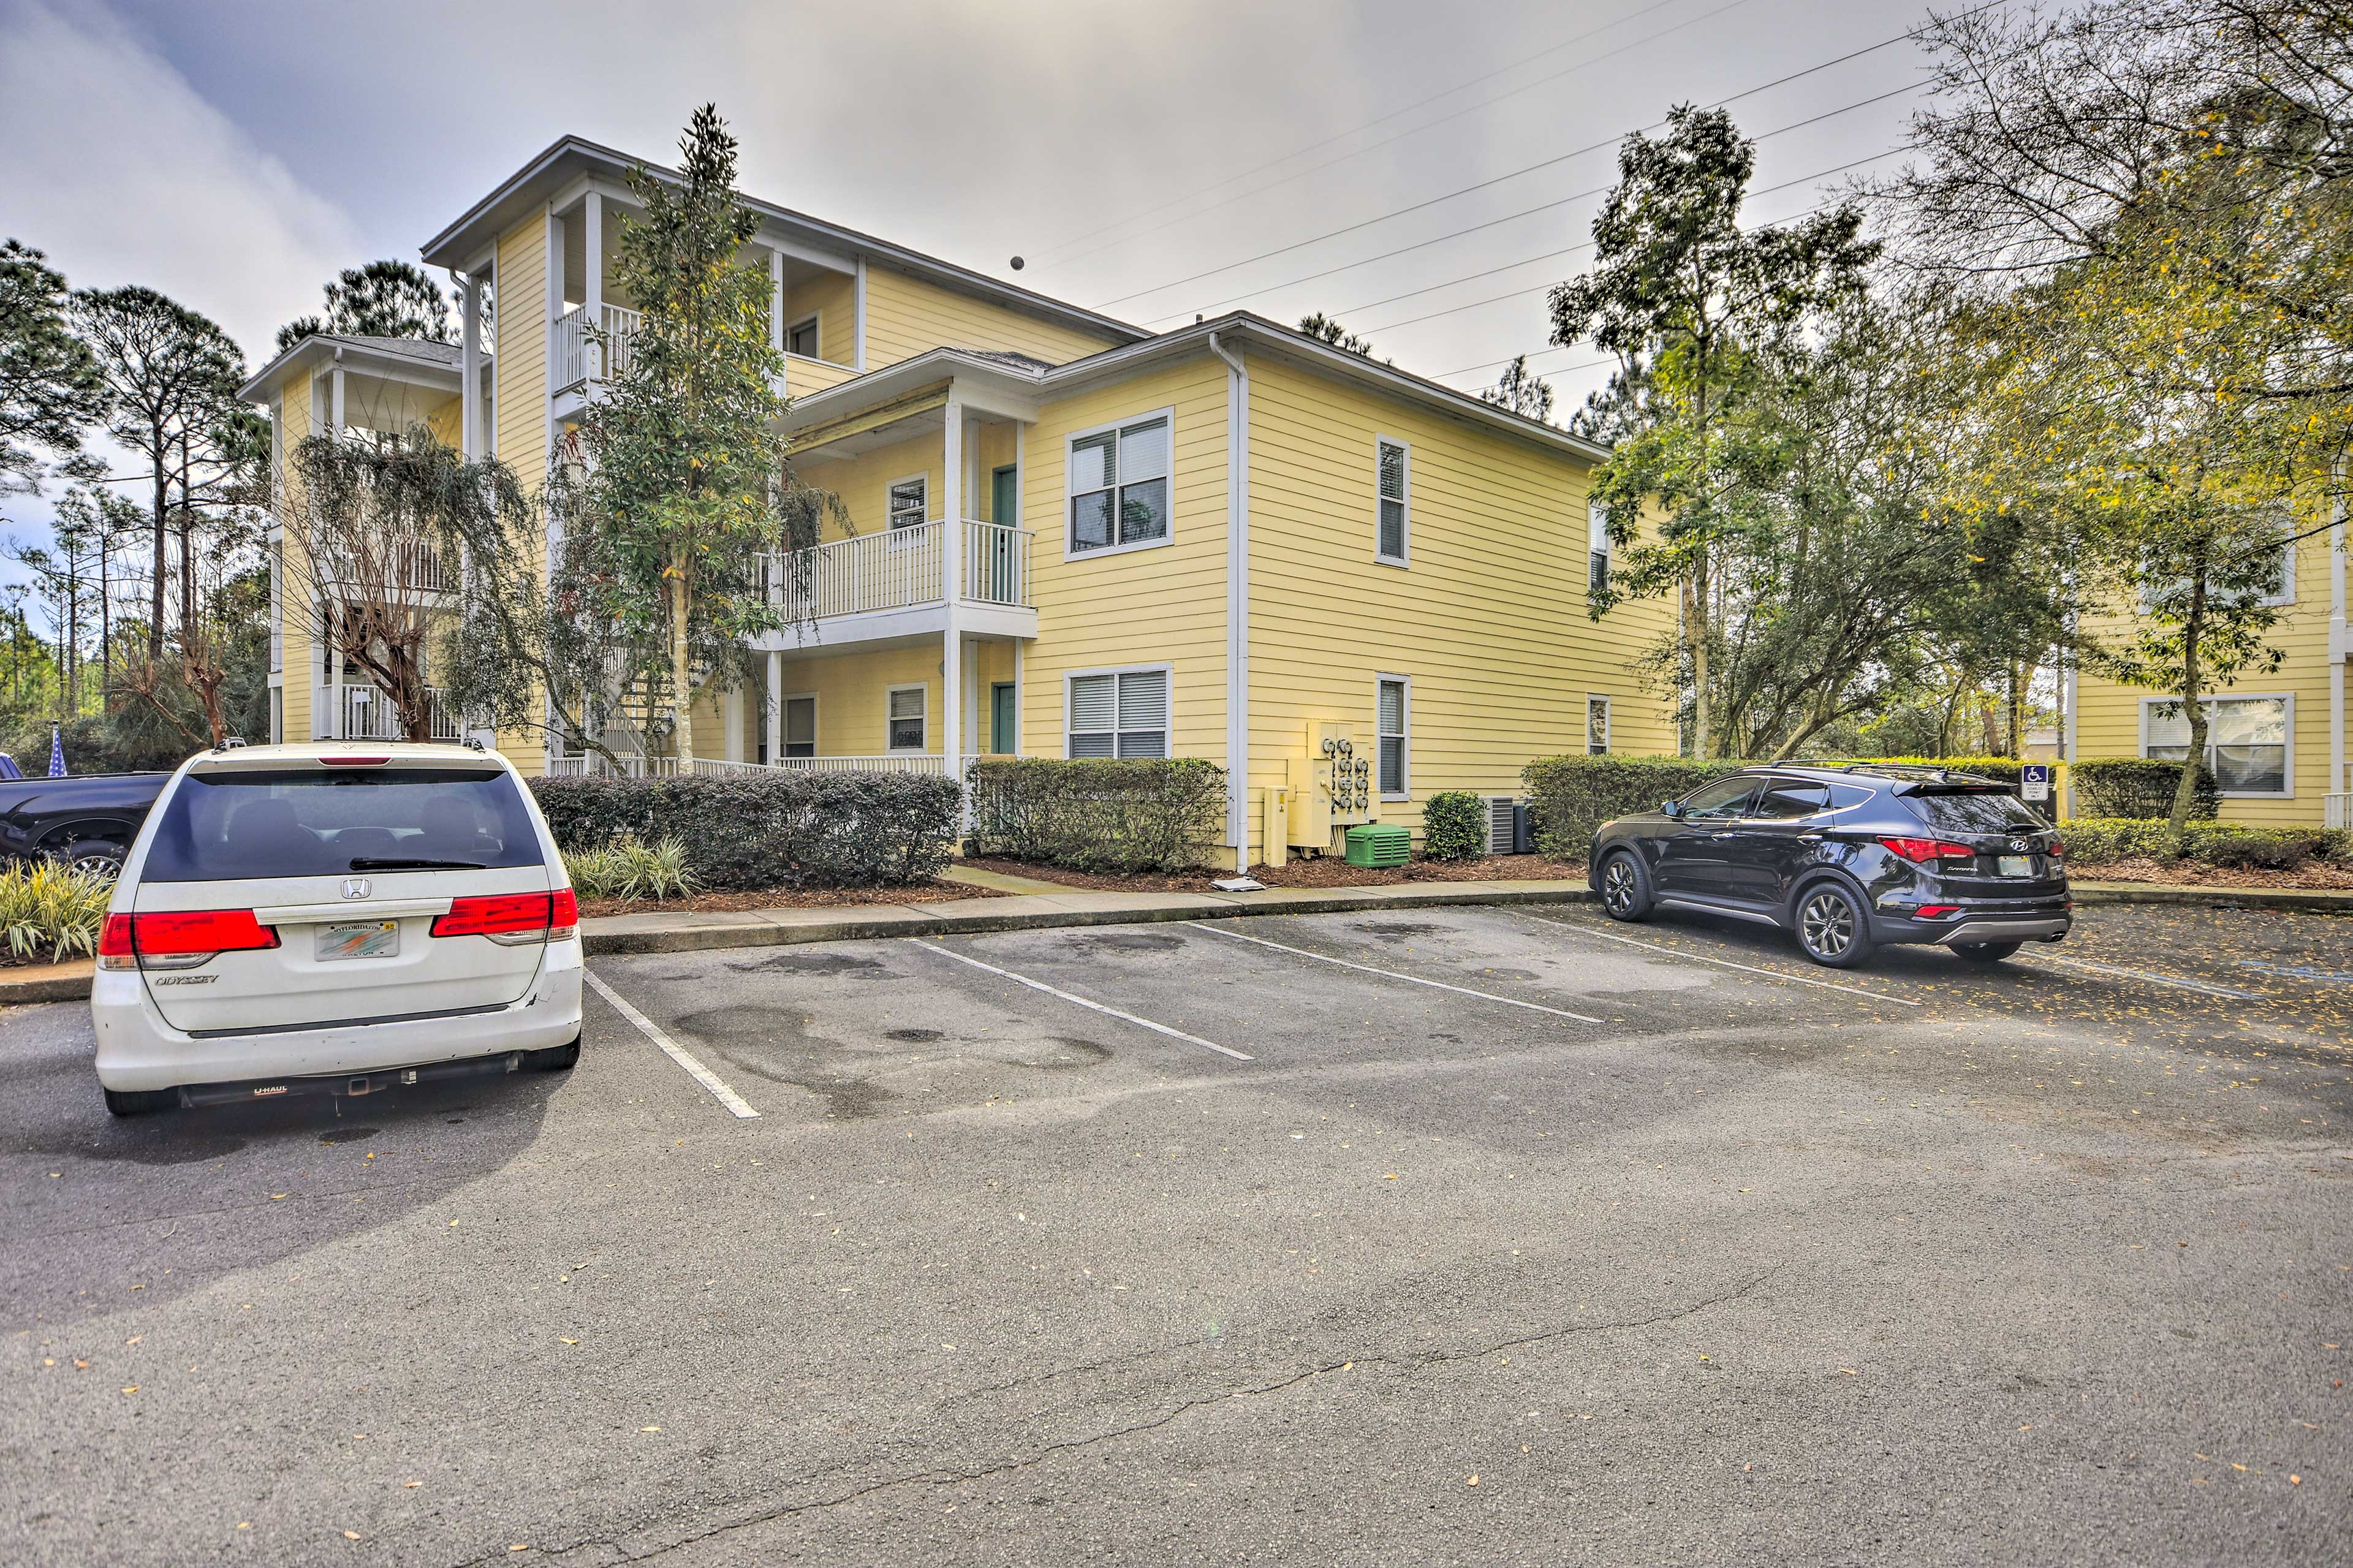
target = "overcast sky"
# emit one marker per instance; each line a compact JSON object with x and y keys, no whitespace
{"x":1144,"y":158}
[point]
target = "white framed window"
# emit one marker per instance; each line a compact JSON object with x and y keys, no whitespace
{"x":1117,"y":477}
{"x":1596,"y":725}
{"x":909,"y":707}
{"x":1597,"y":549}
{"x":1117,"y":712}
{"x":2250,"y":741}
{"x":910,"y":502}
{"x":1393,"y":477}
{"x":801,"y":338}
{"x":2286,"y":593}
{"x":1392,"y":711}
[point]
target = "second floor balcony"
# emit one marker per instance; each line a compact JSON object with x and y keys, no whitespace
{"x":895,"y":582}
{"x":589,"y":344}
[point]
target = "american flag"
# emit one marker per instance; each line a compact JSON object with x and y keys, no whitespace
{"x":56,"y":756}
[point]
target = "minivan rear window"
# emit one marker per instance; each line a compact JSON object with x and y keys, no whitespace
{"x":1974,"y":811}
{"x":239,"y":824}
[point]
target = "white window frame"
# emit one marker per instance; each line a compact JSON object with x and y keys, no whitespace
{"x":1404,"y":557}
{"x":1069,"y":443}
{"x":1596,"y":543}
{"x":1070,"y":678}
{"x":2148,"y":706}
{"x":1405,"y":737}
{"x":815,"y":321}
{"x":817,"y":718}
{"x":924,"y":687}
{"x":923,"y":477}
{"x":2286,"y":595}
{"x":1590,"y":698}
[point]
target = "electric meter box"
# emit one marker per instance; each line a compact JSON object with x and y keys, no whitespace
{"x":1331,"y":786}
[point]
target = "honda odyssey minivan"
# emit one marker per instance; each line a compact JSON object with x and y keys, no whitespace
{"x":336,"y":918}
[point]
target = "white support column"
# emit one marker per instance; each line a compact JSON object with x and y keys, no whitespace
{"x":776,"y":299}
{"x":336,"y":396}
{"x":1020,"y":702}
{"x":470,"y":362}
{"x":592,"y":266}
{"x":554,"y":289}
{"x":775,"y":717}
{"x":2340,"y":641}
{"x":952,"y":582}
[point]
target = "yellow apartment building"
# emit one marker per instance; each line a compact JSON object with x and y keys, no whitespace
{"x":2276,"y":742}
{"x":1066,"y":537}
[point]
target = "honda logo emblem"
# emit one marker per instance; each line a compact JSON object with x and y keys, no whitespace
{"x":357,"y":887}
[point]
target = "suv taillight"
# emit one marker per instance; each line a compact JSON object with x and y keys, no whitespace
{"x":513,"y":917}
{"x":179,"y":939}
{"x":1920,"y":851}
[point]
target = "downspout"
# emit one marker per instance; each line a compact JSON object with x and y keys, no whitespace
{"x":1237,"y":604}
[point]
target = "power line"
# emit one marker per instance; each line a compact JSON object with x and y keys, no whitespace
{"x":1368,"y":125}
{"x":1509,"y":217}
{"x":1515,"y":173}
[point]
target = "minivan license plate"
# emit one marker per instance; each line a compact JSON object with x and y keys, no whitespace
{"x":2017,"y":865}
{"x":364,"y":939}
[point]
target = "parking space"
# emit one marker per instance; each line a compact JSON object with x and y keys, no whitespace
{"x":1251,"y":1241}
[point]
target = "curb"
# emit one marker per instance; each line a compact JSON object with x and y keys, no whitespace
{"x":47,"y":982}
{"x":2311,"y":900}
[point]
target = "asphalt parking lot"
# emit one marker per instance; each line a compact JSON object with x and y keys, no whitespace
{"x":1480,"y":1235}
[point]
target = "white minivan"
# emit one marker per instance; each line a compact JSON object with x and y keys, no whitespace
{"x":337,"y":918}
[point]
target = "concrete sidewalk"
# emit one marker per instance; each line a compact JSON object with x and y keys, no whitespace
{"x":1029,"y":904}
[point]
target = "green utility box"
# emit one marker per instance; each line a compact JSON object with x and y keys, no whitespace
{"x":1373,"y":845}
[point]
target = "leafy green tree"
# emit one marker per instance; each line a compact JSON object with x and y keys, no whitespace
{"x":382,"y":299}
{"x":1689,"y":302}
{"x":678,"y":475}
{"x":1324,"y":329}
{"x":1524,"y":394}
{"x":49,"y":385}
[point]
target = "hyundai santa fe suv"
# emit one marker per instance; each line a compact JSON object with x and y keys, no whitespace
{"x":1846,"y":858}
{"x":334,"y":919}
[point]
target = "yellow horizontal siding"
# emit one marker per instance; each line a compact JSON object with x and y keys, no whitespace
{"x":520,"y":370}
{"x":294,"y":606}
{"x":2108,"y":714}
{"x":1488,"y":620}
{"x":906,"y":316}
{"x":832,"y":298}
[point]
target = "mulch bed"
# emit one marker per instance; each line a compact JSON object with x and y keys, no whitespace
{"x":2184,"y":874}
{"x":931,"y":892}
{"x":1328,"y":871}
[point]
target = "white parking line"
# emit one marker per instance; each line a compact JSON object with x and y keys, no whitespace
{"x":1082,"y":1002}
{"x":672,"y":1049}
{"x":2152,"y":976}
{"x":1727,"y":963}
{"x":1393,"y":975}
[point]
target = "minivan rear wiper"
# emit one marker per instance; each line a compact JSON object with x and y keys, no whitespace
{"x":382,"y":863}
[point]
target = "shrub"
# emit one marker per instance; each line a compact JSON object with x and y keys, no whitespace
{"x":2237,"y":845}
{"x":45,"y":904}
{"x":625,"y":866}
{"x":1453,"y":827}
{"x":1570,"y":796}
{"x":1138,"y":815}
{"x":2002,"y":770}
{"x":2137,"y":786}
{"x":2094,"y":840}
{"x":776,"y":829}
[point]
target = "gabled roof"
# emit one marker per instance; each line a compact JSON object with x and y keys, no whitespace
{"x":414,"y":358}
{"x":569,"y":157}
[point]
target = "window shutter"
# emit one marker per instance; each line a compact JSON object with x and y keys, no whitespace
{"x":908,"y":703}
{"x":1091,"y":703}
{"x":1143,"y":699}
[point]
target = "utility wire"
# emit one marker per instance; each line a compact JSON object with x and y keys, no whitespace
{"x":1528,"y":169}
{"x":1509,"y":217}
{"x":1368,"y":125}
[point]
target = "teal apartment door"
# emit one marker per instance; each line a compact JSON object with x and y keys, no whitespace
{"x":1000,"y":718}
{"x":1005,"y":495}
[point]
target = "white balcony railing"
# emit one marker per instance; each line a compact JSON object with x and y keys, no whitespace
{"x":369,"y":714}
{"x":574,"y":353}
{"x":631,"y":766}
{"x":898,"y":568}
{"x":407,"y":565}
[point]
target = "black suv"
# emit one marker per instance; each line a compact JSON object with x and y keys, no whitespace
{"x":1847,"y":857}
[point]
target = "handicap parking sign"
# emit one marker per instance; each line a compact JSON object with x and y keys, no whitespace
{"x":2034,"y":782}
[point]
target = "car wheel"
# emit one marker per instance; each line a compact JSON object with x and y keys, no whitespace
{"x":1831,"y":927}
{"x":1625,"y":887}
{"x":141,"y":1101}
{"x":555,"y":1059}
{"x":94,"y":856}
{"x":1984,"y":951}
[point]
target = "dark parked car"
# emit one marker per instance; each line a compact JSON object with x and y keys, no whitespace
{"x":87,"y":820}
{"x":1846,"y":858}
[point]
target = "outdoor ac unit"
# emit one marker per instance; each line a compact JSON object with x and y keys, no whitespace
{"x":1507,"y":825}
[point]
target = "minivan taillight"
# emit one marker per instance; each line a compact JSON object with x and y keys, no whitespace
{"x":513,"y":917}
{"x":1920,"y":851}
{"x":179,"y":939}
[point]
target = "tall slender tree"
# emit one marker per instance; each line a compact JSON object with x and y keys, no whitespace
{"x":382,"y":299}
{"x":49,"y":385}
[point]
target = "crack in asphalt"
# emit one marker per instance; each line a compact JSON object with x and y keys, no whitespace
{"x":951,"y":1475}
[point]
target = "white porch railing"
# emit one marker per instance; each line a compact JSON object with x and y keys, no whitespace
{"x":898,"y":568}
{"x":2336,"y":810}
{"x":409,"y":564}
{"x":573,"y":349}
{"x":369,"y":714}
{"x":590,"y":765}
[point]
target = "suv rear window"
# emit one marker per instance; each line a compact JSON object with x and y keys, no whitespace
{"x":1974,"y":811}
{"x":235,"y":824}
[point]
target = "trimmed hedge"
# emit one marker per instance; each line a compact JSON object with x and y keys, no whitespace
{"x":2094,"y":840}
{"x":1453,"y":826}
{"x":779,"y":830}
{"x":1160,"y":814}
{"x":1568,"y":797}
{"x":2136,"y":788}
